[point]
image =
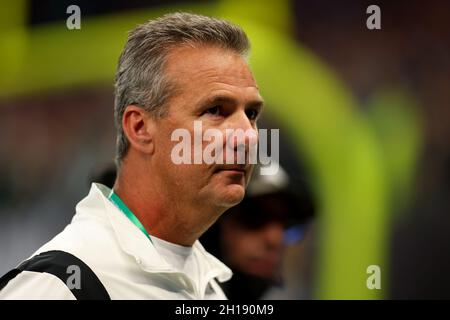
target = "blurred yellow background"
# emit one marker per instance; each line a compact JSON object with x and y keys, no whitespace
{"x":365,"y":110}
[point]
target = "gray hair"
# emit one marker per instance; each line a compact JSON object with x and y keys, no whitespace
{"x":140,"y":78}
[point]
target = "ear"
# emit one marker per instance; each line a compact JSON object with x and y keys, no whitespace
{"x":139,"y":128}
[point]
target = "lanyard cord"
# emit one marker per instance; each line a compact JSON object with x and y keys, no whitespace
{"x":123,"y":207}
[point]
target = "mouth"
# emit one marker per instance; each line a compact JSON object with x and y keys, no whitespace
{"x":264,"y":266}
{"x":241,"y":169}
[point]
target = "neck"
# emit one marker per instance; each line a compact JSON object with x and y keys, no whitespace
{"x":173,"y":221}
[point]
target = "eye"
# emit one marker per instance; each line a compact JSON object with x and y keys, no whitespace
{"x":252,"y":114}
{"x":215,"y":111}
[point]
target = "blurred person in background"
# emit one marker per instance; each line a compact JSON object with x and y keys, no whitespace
{"x":251,"y":237}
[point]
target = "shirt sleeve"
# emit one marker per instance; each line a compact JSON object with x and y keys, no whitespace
{"x":30,"y":285}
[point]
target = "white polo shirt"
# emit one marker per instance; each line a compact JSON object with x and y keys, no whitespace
{"x":127,"y":263}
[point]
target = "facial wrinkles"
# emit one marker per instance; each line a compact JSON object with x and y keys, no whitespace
{"x":241,"y":78}
{"x":226,"y":68}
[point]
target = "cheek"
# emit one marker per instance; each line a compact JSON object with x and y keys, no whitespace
{"x":249,"y":175}
{"x":237,"y":240}
{"x":240,"y":249}
{"x":164,"y":144}
{"x":196,"y":175}
{"x":162,"y":154}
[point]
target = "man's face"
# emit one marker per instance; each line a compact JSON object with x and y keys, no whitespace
{"x":214,"y":86}
{"x":255,"y":251}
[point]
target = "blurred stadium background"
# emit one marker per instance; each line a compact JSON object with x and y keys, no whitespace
{"x":365,"y":113}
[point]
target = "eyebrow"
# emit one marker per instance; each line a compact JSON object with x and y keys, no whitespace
{"x":259,"y":103}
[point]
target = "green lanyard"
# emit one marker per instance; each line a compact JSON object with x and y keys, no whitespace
{"x":123,"y":207}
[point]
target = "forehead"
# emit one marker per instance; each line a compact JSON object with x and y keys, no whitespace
{"x":208,"y":68}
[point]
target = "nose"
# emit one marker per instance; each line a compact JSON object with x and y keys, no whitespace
{"x":242,"y":133}
{"x":272,"y":234}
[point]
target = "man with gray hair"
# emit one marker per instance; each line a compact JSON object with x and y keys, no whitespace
{"x":139,"y":240}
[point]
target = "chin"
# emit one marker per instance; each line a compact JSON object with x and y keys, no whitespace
{"x":232,"y":196}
